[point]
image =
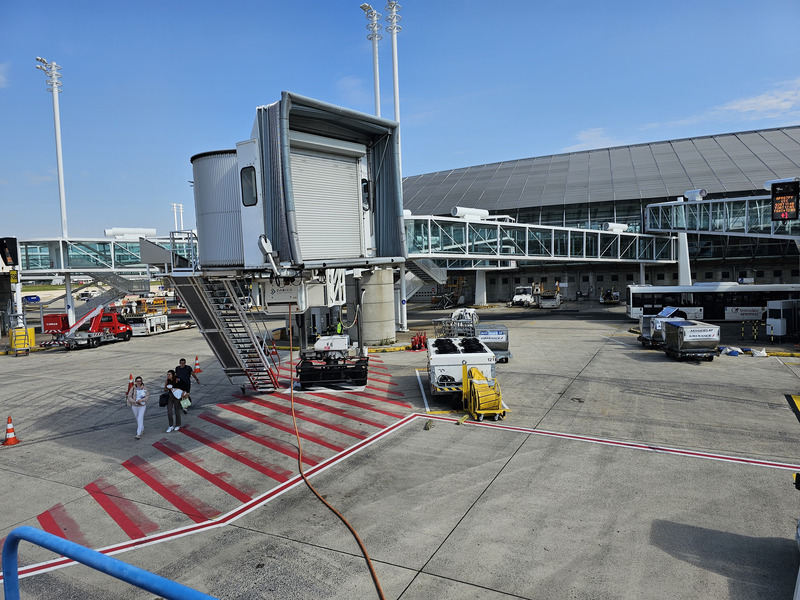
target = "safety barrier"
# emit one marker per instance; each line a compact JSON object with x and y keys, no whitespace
{"x":167,"y":589}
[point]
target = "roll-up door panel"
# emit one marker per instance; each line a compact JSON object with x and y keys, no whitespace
{"x":327,"y":202}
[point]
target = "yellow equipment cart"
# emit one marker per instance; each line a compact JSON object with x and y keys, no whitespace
{"x":481,"y":396}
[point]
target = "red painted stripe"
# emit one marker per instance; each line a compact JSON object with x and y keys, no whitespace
{"x":49,"y":524}
{"x":256,"y":416}
{"x":341,"y":412}
{"x":372,"y":396}
{"x":303,"y":416}
{"x":225,"y":519}
{"x":197,"y":510}
{"x":275,"y":472}
{"x":58,"y":522}
{"x":379,"y":380}
{"x":372,"y":387}
{"x":383,"y":368}
{"x":270,"y":442}
{"x":191,"y":462}
{"x":125,"y":513}
{"x":357,"y":403}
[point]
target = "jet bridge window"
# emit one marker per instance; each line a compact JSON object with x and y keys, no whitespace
{"x":249,"y":189}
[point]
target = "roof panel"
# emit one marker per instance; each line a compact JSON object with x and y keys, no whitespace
{"x":723,"y":163}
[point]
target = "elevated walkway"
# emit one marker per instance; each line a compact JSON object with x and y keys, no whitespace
{"x":742,"y":217}
{"x":486,"y":242}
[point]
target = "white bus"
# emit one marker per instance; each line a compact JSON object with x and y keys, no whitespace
{"x":724,"y":301}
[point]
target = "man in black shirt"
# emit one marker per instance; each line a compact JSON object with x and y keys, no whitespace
{"x":185,"y":374}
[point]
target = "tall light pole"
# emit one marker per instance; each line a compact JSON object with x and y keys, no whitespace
{"x":51,"y":69}
{"x":176,"y":210}
{"x":393,"y":28}
{"x":373,"y":26}
{"x":393,"y":18}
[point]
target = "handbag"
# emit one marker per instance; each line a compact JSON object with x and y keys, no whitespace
{"x":186,"y":403}
{"x":162,"y":399}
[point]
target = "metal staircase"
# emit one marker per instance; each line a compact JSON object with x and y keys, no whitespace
{"x":427,"y":270}
{"x":119,"y":287}
{"x":238,"y":335}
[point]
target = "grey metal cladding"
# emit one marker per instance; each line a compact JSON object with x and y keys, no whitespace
{"x":731,"y":162}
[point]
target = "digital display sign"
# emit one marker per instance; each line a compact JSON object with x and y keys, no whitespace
{"x":784,"y":200}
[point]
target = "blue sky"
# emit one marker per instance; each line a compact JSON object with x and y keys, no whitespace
{"x":146,"y":85}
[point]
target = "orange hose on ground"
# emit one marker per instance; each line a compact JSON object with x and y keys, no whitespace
{"x":363,"y":548}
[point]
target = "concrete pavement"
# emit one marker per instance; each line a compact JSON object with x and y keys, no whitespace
{"x":618,"y":474}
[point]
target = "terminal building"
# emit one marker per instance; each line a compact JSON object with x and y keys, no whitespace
{"x":589,"y":189}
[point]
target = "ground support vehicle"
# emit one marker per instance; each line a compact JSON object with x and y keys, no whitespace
{"x":481,"y":397}
{"x":331,"y":363}
{"x":690,"y":339}
{"x":447,"y":356}
{"x":525,"y":295}
{"x":550,"y":299}
{"x":609,"y":296}
{"x":495,"y":336}
{"x":651,"y":326}
{"x":150,"y":324}
{"x":95,"y":328}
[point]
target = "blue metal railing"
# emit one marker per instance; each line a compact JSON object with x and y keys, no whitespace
{"x":167,"y":589}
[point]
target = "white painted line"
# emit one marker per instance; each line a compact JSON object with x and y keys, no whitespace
{"x":422,"y":391}
{"x":611,"y":339}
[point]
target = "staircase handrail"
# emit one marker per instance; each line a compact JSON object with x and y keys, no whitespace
{"x":237,"y":306}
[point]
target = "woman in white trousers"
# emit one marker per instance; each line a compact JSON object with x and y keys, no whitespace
{"x":137,"y":400}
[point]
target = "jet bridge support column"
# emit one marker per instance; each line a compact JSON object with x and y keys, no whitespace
{"x":403,"y":299}
{"x":480,"y":288}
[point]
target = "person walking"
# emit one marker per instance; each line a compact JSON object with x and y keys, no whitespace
{"x":176,"y":392}
{"x":137,"y":399}
{"x":185,"y":374}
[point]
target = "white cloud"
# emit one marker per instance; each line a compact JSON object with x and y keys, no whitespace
{"x":593,"y":138}
{"x":780,"y":103}
{"x":772,"y":104}
{"x":4,"y":82}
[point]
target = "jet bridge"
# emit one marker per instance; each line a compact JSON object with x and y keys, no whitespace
{"x":490,"y":241}
{"x":742,"y":217}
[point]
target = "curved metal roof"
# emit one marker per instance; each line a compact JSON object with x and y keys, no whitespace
{"x":722,"y":164}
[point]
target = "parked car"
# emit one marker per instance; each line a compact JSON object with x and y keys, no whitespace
{"x":31,"y":299}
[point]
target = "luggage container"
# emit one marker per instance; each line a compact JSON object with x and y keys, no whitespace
{"x":690,"y":339}
{"x":495,"y":336}
{"x":651,"y":326}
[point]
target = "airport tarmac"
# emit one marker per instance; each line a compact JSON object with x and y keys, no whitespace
{"x":618,"y":473}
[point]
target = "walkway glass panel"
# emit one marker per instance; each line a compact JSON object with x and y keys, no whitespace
{"x":744,"y":217}
{"x":447,"y":237}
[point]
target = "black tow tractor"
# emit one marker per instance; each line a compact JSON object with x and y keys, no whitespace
{"x":330,"y":363}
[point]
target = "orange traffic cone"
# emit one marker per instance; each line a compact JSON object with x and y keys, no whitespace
{"x":11,"y":437}
{"x":197,"y":365}
{"x":130,"y":384}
